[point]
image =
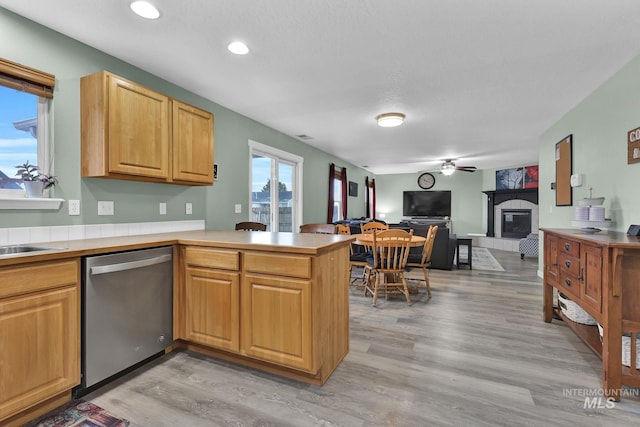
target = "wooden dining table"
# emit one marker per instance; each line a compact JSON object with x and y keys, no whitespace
{"x":367,"y":240}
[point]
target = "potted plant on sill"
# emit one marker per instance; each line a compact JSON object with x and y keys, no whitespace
{"x":34,"y":182}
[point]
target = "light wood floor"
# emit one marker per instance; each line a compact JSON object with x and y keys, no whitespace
{"x":476,"y":354}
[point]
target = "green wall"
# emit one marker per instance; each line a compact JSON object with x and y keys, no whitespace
{"x":467,"y":203}
{"x":33,"y":45}
{"x":599,"y":125}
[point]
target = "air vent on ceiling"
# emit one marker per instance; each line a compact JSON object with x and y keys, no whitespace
{"x":304,"y":136}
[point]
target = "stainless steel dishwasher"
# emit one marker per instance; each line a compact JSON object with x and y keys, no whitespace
{"x":127,"y":311}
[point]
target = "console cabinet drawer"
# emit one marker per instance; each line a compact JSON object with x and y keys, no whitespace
{"x":569,"y":264}
{"x":570,"y":285}
{"x":569,"y":247}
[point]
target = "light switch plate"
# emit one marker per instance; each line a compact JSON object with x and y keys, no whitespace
{"x":163,"y":208}
{"x":188,"y":207}
{"x":105,"y":208}
{"x":238,"y":208}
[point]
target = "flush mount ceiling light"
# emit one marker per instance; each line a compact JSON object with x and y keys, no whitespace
{"x":389,"y":120}
{"x":238,"y":48}
{"x":145,"y":9}
{"x":448,"y":168}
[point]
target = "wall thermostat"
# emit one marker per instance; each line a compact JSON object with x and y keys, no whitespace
{"x":576,"y":180}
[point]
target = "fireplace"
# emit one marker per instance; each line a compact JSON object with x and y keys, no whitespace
{"x":508,"y":199}
{"x":516,"y":223}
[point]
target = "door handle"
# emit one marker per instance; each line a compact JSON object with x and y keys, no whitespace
{"x":131,"y":265}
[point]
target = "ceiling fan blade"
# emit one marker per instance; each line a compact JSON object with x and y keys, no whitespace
{"x":466,"y":168}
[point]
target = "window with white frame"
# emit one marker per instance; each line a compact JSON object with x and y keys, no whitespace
{"x":24,"y":124}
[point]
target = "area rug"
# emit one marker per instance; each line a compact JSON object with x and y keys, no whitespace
{"x":481,"y":259}
{"x":78,"y":413}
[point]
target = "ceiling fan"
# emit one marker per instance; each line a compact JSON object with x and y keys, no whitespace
{"x":448,"y":167}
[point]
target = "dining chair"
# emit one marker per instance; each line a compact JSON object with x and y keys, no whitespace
{"x":423,"y":260}
{"x":386,"y":266}
{"x":318,"y":228}
{"x":356,"y":259}
{"x":251,"y":226}
{"x":369,"y":227}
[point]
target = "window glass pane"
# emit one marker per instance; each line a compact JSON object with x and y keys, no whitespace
{"x":18,"y":130}
{"x":285,"y":196}
{"x":337,"y":200}
{"x":261,"y":190}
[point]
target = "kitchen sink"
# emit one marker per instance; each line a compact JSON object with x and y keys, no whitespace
{"x":20,"y":249}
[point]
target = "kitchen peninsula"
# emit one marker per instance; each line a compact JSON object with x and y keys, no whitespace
{"x":272,"y":301}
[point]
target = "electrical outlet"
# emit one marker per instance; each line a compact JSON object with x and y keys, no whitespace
{"x":74,"y":207}
{"x":238,"y":208}
{"x":188,"y":207}
{"x":163,"y":208}
{"x":105,"y":208}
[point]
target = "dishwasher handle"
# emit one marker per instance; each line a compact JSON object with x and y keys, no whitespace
{"x":112,"y":268}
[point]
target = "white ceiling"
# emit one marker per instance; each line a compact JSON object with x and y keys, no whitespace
{"x":479,"y":81}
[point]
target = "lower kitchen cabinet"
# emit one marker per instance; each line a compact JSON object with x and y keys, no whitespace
{"x":213,"y":304}
{"x":39,"y":334}
{"x":283,"y":312}
{"x":212,"y":298}
{"x":276,"y":321}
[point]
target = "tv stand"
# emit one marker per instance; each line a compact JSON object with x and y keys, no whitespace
{"x":427,"y":220}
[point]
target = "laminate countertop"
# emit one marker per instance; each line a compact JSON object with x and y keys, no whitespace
{"x":301,"y":243}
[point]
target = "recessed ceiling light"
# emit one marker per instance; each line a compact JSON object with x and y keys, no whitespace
{"x":238,"y":48}
{"x":145,"y":9}
{"x":389,"y":120}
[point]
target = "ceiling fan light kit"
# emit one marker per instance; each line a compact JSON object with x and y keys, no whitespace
{"x":448,"y":168}
{"x":389,"y":120}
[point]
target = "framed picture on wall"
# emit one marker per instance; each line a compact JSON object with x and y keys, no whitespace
{"x":353,"y":189}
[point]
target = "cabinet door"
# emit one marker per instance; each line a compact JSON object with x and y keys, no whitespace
{"x":551,"y":258}
{"x":591,"y":272}
{"x":40,"y":342}
{"x":192,"y":144}
{"x":276,"y":321}
{"x":213,"y":306}
{"x":138,"y":130}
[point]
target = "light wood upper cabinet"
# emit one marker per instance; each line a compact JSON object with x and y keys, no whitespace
{"x":131,"y":132}
{"x":39,"y":334}
{"x":192,"y":144}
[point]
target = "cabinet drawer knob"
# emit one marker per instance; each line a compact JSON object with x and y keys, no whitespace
{"x":567,"y":263}
{"x":567,"y":246}
{"x":567,"y":281}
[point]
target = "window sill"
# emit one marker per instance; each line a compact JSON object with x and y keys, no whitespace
{"x":44,"y":203}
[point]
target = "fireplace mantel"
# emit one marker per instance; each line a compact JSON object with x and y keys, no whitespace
{"x":496,"y":197}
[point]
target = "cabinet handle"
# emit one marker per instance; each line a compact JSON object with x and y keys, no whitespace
{"x":581,"y":277}
{"x":567,"y":246}
{"x":567,"y":281}
{"x":567,"y":263}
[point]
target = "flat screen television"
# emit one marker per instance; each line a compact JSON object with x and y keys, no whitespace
{"x":426,"y":204}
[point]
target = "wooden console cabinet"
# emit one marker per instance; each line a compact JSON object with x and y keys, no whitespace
{"x":273,"y":309}
{"x":39,"y":337}
{"x":601,"y":273}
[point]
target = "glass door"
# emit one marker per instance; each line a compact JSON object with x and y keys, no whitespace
{"x":273,"y":191}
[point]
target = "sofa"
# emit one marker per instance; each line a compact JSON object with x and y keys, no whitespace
{"x":444,"y":246}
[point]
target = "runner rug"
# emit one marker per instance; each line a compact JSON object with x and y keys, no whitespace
{"x":79,"y":413}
